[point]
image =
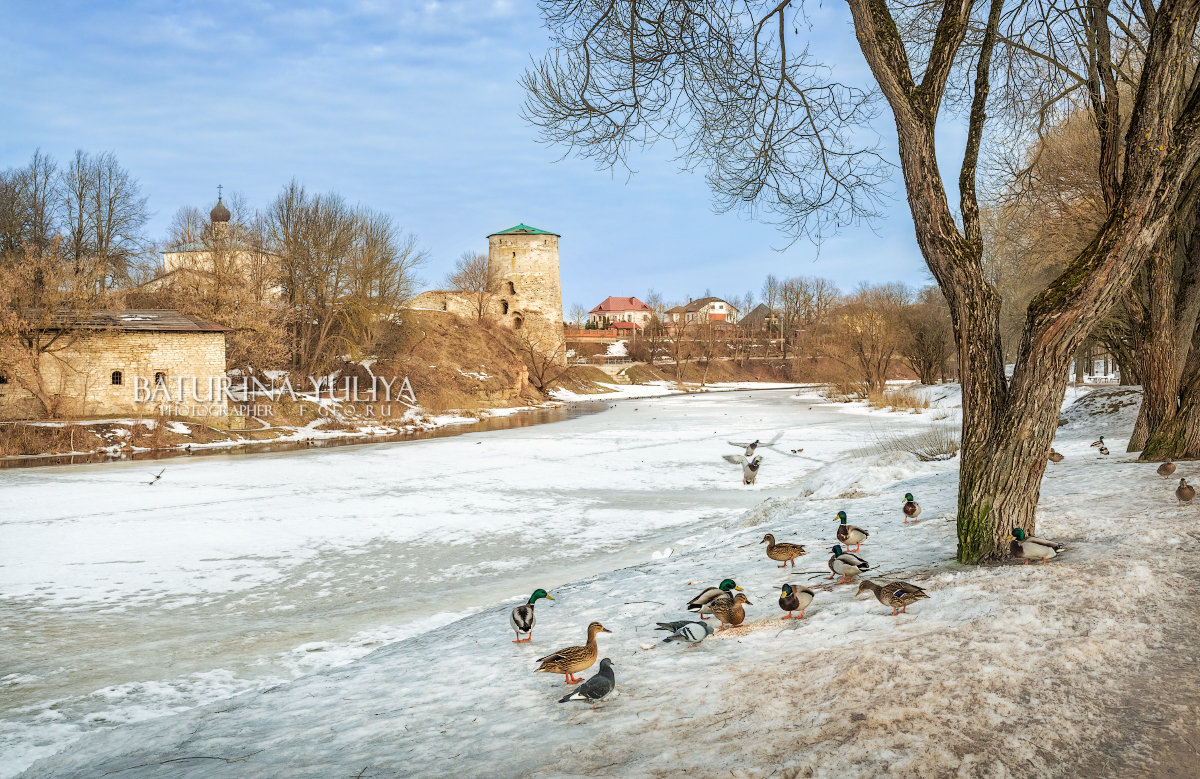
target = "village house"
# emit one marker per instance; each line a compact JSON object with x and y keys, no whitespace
{"x":760,"y":319}
{"x":128,"y":363}
{"x":702,"y":311}
{"x":615,"y":310}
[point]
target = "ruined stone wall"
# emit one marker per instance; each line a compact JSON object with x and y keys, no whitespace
{"x":523,"y":275}
{"x":191,"y":364}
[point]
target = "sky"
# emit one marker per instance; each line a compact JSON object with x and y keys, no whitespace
{"x":412,"y":108}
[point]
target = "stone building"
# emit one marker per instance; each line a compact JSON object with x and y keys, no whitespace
{"x":222,"y":252}
{"x":524,"y":290}
{"x":130,"y":363}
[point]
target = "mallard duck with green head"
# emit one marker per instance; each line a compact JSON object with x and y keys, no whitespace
{"x":702,"y":603}
{"x":573,"y":659}
{"x":795,"y":599}
{"x":1026,"y":547}
{"x":898,"y":595}
{"x":730,"y":611}
{"x":522,"y":618}
{"x":849,"y":534}
{"x":911,"y":509}
{"x":785,"y":552}
{"x":846,"y":565}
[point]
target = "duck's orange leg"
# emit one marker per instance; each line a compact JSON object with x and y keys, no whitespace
{"x":571,"y":679}
{"x":789,"y":616}
{"x":801,"y":613}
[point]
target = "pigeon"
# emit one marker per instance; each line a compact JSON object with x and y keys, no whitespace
{"x":1185,"y":492}
{"x":522,"y":617}
{"x":691,"y":632}
{"x":156,"y":478}
{"x":596,"y":688}
{"x":1166,"y":469}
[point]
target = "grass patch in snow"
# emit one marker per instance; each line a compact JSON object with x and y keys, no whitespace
{"x":899,"y":399}
{"x":936,"y":441}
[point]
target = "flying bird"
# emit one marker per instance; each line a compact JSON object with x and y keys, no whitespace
{"x":753,"y":445}
{"x":156,"y":478}
{"x":597,"y":688}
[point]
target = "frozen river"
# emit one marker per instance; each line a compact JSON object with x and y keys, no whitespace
{"x":121,"y":601}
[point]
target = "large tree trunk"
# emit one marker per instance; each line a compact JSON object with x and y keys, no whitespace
{"x":1157,"y":362}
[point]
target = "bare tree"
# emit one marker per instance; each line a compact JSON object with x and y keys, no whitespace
{"x":720,"y":81}
{"x":867,"y":334}
{"x":927,"y":336}
{"x":45,"y":309}
{"x":105,"y":214}
{"x":470,"y":278}
{"x":546,"y":363}
{"x":343,"y":270}
{"x":578,"y":315}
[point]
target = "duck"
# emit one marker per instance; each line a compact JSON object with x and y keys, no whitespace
{"x":898,"y":595}
{"x":573,"y":658}
{"x":522,"y":618}
{"x":795,"y":599}
{"x":786,"y":552}
{"x":687,"y":630}
{"x":1054,"y":456}
{"x":730,"y":611}
{"x":1185,"y":492}
{"x":911,"y":509}
{"x":846,"y":565}
{"x":595,"y":689}
{"x":850,"y":534}
{"x":1166,"y":469}
{"x":1027,"y":547}
{"x":1103,"y":449}
{"x":1098,"y":442}
{"x":702,"y":603}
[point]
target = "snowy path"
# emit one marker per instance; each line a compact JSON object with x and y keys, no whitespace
{"x":1006,"y":671}
{"x":120,"y":601}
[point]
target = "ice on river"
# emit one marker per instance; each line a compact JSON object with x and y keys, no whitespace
{"x":1003,"y":671}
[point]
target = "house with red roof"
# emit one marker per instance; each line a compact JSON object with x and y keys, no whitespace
{"x":621,"y":312}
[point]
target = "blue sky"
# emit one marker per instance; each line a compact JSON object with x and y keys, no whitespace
{"x":409,"y":107}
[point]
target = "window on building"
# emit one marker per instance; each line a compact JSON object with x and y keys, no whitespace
{"x":503,"y":306}
{"x":517,"y":322}
{"x":160,"y":378}
{"x":117,"y":378}
{"x":511,"y":289}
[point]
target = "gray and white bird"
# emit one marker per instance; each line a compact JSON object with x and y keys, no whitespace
{"x":156,"y":478}
{"x":753,"y":445}
{"x":691,"y":632}
{"x":749,"y":467}
{"x":595,"y":689}
{"x":846,"y":565}
{"x":1166,"y":469}
{"x":522,"y":617}
{"x":1185,"y":492}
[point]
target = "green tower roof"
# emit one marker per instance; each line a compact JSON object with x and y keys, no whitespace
{"x":524,"y":229}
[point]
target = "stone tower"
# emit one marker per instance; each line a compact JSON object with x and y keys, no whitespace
{"x":523,"y":275}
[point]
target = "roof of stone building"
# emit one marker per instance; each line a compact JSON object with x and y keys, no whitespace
{"x":156,"y":320}
{"x":524,"y":229}
{"x":756,"y":315}
{"x":219,"y":212}
{"x":619,"y":304}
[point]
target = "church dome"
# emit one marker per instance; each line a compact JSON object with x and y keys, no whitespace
{"x":219,"y":213}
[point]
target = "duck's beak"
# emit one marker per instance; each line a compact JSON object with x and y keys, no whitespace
{"x":739,"y":589}
{"x":605,"y":630}
{"x":1010,"y":538}
{"x":549,"y":597}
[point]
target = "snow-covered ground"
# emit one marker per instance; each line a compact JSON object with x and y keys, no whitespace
{"x":121,"y":604}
